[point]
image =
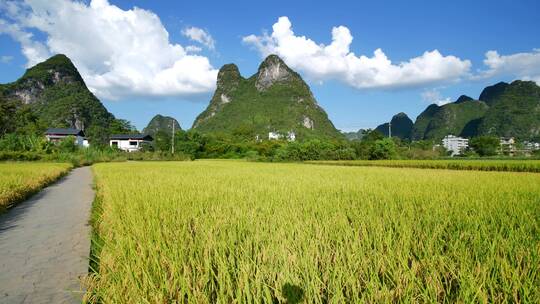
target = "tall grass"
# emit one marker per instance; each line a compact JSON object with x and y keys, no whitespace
{"x":452,"y":164}
{"x":236,"y":232}
{"x":20,"y":180}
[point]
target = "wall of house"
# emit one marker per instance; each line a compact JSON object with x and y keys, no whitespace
{"x":125,"y":145}
{"x":79,"y":140}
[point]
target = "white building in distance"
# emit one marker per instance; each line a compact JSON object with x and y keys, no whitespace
{"x":456,"y":145}
{"x":274,"y":135}
{"x":508,"y":145}
{"x":129,"y":142}
{"x":291,"y":136}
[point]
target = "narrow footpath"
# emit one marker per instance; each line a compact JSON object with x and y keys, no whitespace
{"x":45,"y":243}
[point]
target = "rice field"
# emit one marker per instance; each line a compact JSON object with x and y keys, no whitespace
{"x":241,"y":232}
{"x":451,"y":164}
{"x":18,"y":180}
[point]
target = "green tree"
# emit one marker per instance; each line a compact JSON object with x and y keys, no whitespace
{"x":485,"y":145}
{"x":162,"y":141}
{"x":122,"y":126}
{"x":383,"y":149}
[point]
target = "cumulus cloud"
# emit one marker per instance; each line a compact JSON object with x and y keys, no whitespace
{"x":434,"y":96}
{"x":524,"y":66}
{"x":199,"y":35}
{"x":337,"y":61}
{"x":119,"y":52}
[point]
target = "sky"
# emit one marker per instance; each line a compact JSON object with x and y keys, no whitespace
{"x":364,"y":60}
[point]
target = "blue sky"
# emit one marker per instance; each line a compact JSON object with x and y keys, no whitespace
{"x":342,"y":81}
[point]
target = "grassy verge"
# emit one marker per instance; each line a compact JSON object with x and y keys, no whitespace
{"x":18,"y":181}
{"x":86,"y":157}
{"x":235,"y":232}
{"x":459,"y":164}
{"x":96,"y":244}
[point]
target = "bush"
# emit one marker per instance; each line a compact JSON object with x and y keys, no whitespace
{"x":68,"y":145}
{"x":485,"y":145}
{"x":19,"y":156}
{"x":383,"y":149}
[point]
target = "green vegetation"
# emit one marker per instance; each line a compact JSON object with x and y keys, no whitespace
{"x":485,"y":145}
{"x":231,"y":232}
{"x":262,"y":104}
{"x":20,"y":180}
{"x":451,"y":164}
{"x":33,"y":148}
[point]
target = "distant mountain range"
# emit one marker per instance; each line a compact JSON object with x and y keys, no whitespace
{"x":506,"y":110}
{"x":275,"y":99}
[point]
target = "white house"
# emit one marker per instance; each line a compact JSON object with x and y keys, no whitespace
{"x":129,"y":142}
{"x":273,"y":135}
{"x":57,"y":134}
{"x":508,"y":145}
{"x":456,"y":145}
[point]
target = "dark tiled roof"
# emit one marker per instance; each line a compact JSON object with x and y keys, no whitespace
{"x":131,"y":136}
{"x":60,"y":131}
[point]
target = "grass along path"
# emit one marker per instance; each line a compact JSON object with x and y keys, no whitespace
{"x":211,"y":231}
{"x":457,"y":164}
{"x":19,"y":180}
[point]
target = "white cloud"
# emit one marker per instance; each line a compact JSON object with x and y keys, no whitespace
{"x":199,"y":35}
{"x":336,"y":60}
{"x":118,"y":52}
{"x":524,"y":66}
{"x":434,"y":96}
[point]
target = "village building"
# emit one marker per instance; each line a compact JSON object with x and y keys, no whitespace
{"x":129,"y":142}
{"x":56,"y":135}
{"x":456,"y":145}
{"x":531,"y":146}
{"x":274,"y":135}
{"x":508,"y":145}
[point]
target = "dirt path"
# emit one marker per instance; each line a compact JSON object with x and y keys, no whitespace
{"x":45,"y":243}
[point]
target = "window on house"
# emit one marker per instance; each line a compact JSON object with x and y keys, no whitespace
{"x":114,"y":144}
{"x":132,"y":143}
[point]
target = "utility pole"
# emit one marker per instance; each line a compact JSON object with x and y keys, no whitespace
{"x":172,"y":146}
{"x":389,"y":129}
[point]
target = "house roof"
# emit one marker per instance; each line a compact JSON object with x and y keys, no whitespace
{"x":131,"y":136}
{"x":67,"y":131}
